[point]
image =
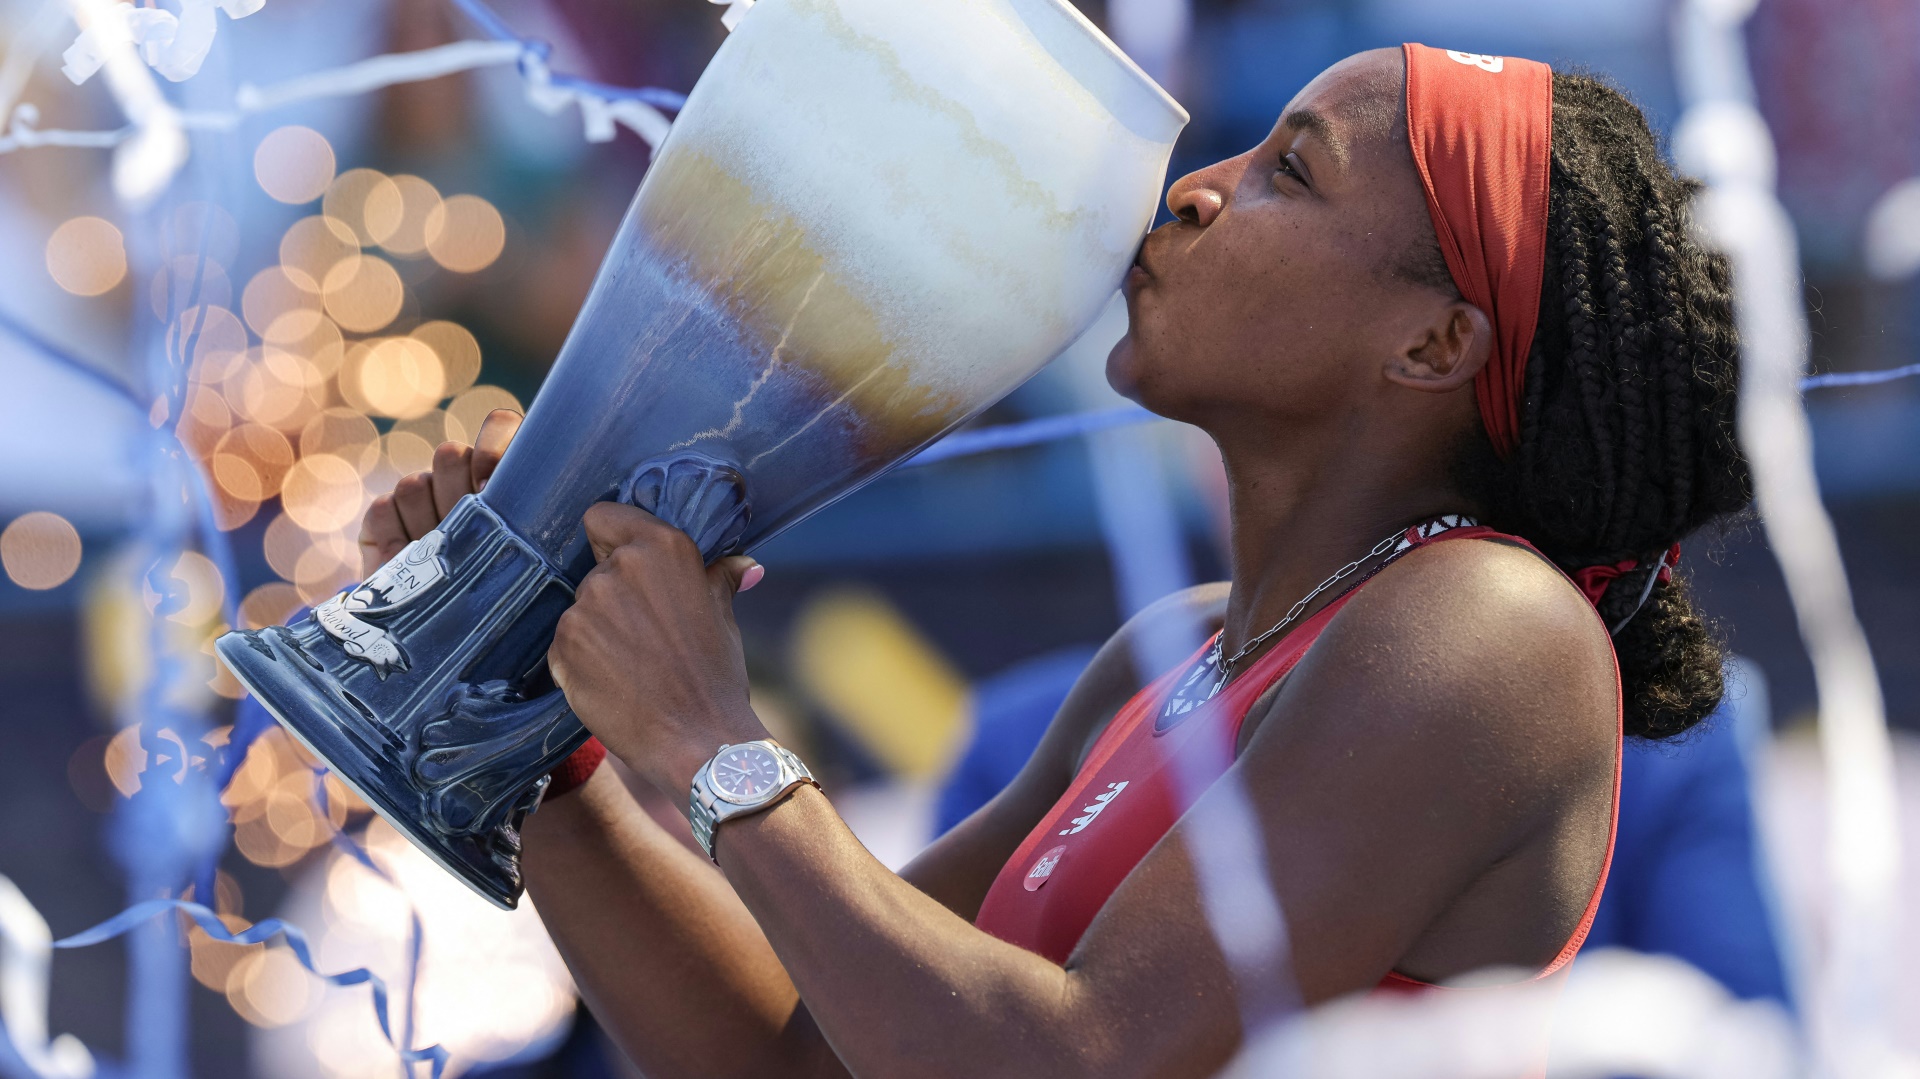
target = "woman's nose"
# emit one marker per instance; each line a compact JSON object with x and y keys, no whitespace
{"x":1198,"y":197}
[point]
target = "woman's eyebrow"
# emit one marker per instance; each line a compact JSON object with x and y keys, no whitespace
{"x":1308,"y":121}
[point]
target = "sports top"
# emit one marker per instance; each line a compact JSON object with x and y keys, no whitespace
{"x":1158,"y":755}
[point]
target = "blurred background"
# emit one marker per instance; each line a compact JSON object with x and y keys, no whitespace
{"x":372,"y":274}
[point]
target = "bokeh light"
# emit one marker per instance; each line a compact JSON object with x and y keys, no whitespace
{"x":269,"y":988}
{"x":197,"y":582}
{"x":271,"y":604}
{"x":469,"y":410}
{"x":466,"y":234}
{"x":40,"y":550}
{"x":277,"y":387}
{"x":187,"y":280}
{"x":251,"y":460}
{"x":458,"y":351}
{"x":322,"y":493}
{"x":271,"y":803}
{"x":363,"y":294}
{"x":294,"y":164}
{"x":346,"y":201}
{"x":329,"y":564}
{"x":430,"y":426}
{"x":409,"y":452}
{"x":398,"y":215}
{"x":86,"y":256}
{"x":490,"y":984}
{"x":203,"y":421}
{"x":397,"y":376}
{"x":273,"y":294}
{"x":124,"y":760}
{"x":345,"y":433}
{"x":210,"y":338}
{"x":213,"y":961}
{"x":313,"y":246}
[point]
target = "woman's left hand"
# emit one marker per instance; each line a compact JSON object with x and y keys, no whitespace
{"x":649,"y":655}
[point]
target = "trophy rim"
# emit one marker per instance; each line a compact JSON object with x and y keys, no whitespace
{"x":1100,"y":38}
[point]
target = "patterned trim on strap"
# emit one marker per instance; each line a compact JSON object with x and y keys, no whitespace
{"x":1421,"y":533}
{"x":1206,"y":678}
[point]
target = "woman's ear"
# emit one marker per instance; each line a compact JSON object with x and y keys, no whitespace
{"x":1447,"y":352}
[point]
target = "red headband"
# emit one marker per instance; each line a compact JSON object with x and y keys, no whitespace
{"x":1481,"y":129}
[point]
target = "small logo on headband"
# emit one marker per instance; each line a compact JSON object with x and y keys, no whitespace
{"x":1479,"y":60}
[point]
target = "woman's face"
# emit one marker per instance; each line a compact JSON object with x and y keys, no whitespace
{"x":1275,"y":290}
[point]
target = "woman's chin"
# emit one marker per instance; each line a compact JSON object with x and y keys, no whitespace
{"x":1122,"y":369}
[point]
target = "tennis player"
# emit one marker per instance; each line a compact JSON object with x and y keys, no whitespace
{"x":1473,"y":382}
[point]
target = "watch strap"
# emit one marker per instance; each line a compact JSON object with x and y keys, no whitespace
{"x":707,"y":810}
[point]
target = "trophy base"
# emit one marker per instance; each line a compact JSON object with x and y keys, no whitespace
{"x":424,"y":687}
{"x":320,"y":717}
{"x":421,"y":689}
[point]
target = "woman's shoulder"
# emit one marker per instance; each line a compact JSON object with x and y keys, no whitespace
{"x":1484,"y":636}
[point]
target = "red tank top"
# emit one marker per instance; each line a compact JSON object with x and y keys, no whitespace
{"x":1127,"y":794}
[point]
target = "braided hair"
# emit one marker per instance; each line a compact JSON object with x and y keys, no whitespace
{"x":1627,"y":439}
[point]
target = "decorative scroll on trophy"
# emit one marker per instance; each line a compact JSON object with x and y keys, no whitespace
{"x":872,"y":220}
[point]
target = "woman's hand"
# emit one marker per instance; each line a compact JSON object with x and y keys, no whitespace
{"x":421,"y":501}
{"x":649,"y":655}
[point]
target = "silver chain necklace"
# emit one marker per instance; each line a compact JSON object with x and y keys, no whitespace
{"x":1341,"y":574}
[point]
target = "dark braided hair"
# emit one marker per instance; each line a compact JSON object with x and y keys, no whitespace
{"x":1627,"y":440}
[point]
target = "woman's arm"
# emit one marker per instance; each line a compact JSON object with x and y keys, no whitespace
{"x":674,"y":965}
{"x":1447,"y":723}
{"x":664,"y":952}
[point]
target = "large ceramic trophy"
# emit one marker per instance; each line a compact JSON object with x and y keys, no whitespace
{"x":872,"y":219}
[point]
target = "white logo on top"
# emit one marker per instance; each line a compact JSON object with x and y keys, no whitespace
{"x":1478,"y":59}
{"x":1100,"y":803}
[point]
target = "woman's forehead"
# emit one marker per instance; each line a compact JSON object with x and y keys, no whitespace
{"x":1357,"y":99}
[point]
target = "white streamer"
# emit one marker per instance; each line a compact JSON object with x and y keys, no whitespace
{"x":1723,"y":139}
{"x":597,"y":114}
{"x":26,"y":949}
{"x":1619,"y":1013}
{"x":736,"y":10}
{"x":116,"y":29}
{"x":173,"y":45}
{"x":146,"y":160}
{"x":377,"y":72}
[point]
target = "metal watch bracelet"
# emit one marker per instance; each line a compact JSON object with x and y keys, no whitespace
{"x":708,"y":808}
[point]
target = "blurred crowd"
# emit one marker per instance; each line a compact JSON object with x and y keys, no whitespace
{"x":358,"y":279}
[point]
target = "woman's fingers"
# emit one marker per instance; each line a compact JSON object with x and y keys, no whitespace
{"x":736,"y":573}
{"x":421,"y":501}
{"x":413,"y":499}
{"x":381,"y":534}
{"x":452,"y":477}
{"x":496,"y":431}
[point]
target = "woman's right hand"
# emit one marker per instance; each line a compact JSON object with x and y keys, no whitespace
{"x":421,"y":501}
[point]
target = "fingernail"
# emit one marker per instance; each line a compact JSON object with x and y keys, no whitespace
{"x":752,"y":576}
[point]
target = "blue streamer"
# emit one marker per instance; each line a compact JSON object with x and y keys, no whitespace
{"x":496,"y":28}
{"x":1008,"y":436}
{"x":259,"y":933}
{"x":67,"y":359}
{"x":1858,"y":378}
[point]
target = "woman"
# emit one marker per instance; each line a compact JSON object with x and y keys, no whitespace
{"x":1407,"y":305}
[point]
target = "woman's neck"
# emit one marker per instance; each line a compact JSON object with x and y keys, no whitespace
{"x":1298,"y":517}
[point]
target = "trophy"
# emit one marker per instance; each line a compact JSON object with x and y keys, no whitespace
{"x":872,"y":219}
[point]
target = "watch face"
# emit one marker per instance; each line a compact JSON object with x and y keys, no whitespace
{"x":745,"y":774}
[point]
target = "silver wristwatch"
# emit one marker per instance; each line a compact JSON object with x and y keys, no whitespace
{"x":741,"y":780}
